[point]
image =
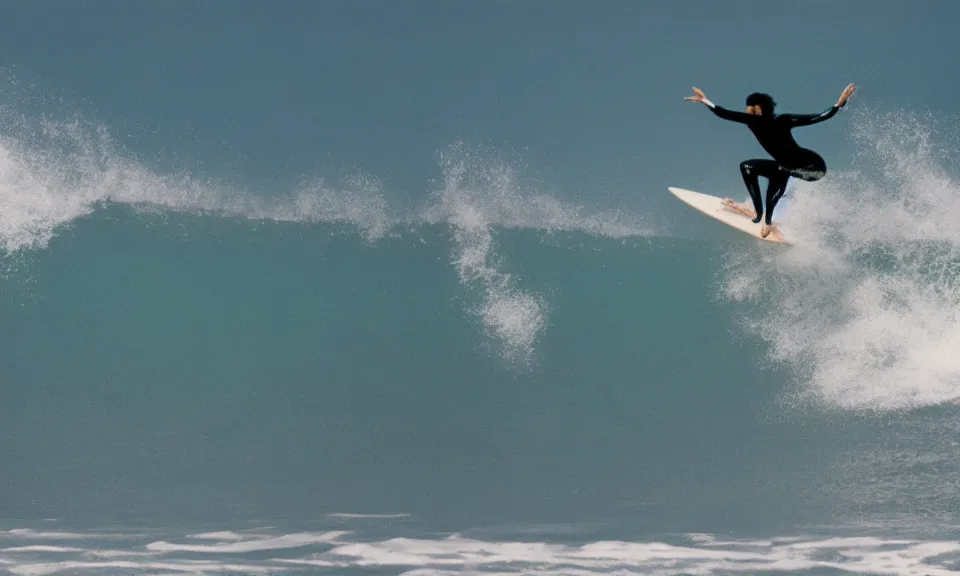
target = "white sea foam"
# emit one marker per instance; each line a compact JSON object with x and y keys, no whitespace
{"x":251,"y":545}
{"x":30,"y":534}
{"x":222,"y":536}
{"x":865,"y":307}
{"x":42,"y":548}
{"x":704,"y":554}
{"x":455,"y":555}
{"x":352,"y":516}
{"x":183,"y":567}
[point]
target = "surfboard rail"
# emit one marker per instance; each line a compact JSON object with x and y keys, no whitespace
{"x":714,"y":207}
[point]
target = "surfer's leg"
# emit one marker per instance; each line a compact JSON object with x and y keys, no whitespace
{"x":775,"y":188}
{"x":751,"y":170}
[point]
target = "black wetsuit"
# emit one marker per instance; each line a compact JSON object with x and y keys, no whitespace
{"x":789,"y":159}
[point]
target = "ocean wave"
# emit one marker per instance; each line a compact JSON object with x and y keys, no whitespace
{"x":54,"y":172}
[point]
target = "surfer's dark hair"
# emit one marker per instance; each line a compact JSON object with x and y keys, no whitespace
{"x":764,"y":101}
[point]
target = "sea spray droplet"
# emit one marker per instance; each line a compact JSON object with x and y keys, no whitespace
{"x":516,"y":318}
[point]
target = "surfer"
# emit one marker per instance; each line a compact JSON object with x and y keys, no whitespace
{"x":773,"y":133}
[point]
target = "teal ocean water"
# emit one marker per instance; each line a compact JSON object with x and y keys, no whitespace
{"x":465,"y":361}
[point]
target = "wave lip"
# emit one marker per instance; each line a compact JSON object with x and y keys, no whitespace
{"x":53,"y":173}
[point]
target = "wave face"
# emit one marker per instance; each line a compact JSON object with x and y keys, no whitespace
{"x":182,"y":351}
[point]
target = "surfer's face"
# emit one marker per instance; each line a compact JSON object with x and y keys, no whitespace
{"x":755,"y":110}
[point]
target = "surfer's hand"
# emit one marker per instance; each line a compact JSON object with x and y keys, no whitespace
{"x":850,"y":89}
{"x":700,"y":96}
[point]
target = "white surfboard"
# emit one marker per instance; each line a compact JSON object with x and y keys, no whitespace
{"x":714,"y":207}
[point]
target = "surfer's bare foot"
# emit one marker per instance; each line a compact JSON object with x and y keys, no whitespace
{"x":768,"y":230}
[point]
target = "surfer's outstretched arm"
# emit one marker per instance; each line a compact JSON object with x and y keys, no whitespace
{"x":808,"y":119}
{"x":732,"y":115}
{"x":741,"y":117}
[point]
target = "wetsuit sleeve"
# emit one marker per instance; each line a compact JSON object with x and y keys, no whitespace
{"x":733,"y":116}
{"x":808,"y":119}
